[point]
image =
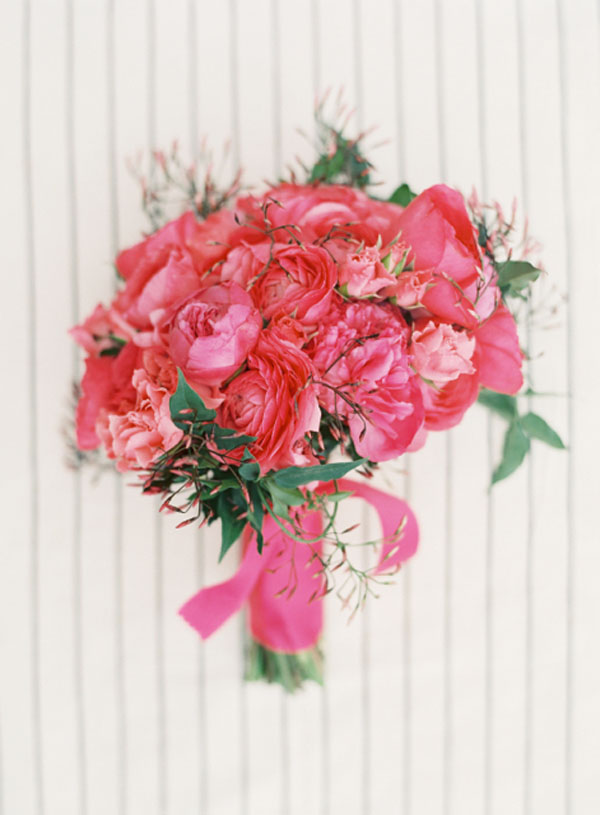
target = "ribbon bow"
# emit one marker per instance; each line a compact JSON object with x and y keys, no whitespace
{"x":288,"y":620}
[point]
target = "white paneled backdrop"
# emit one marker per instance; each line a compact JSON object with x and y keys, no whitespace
{"x":473,"y":684}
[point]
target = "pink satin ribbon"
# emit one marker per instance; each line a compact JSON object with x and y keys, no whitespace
{"x":284,"y":585}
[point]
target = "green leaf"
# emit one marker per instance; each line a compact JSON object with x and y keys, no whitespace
{"x":538,"y":428}
{"x":284,"y":497}
{"x":186,"y":406}
{"x":231,"y":524}
{"x":296,"y":476}
{"x":250,"y":470}
{"x":516,"y":447}
{"x":501,"y":403}
{"x":231,"y":442}
{"x":402,"y":195}
{"x":256,"y":513}
{"x":516,"y":275}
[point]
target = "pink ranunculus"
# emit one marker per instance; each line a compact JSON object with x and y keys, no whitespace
{"x":212,"y":334}
{"x":137,"y":437}
{"x":500,"y":357}
{"x":442,"y":238}
{"x":361,"y":355}
{"x":440,"y":352}
{"x":362,"y":272}
{"x":298,"y":282}
{"x":318,"y":211}
{"x":274,"y":401}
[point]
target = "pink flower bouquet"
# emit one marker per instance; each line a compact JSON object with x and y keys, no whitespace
{"x":260,"y":347}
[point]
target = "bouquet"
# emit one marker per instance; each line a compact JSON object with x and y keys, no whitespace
{"x":262,"y":346}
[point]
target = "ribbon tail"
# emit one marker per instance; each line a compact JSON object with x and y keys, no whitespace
{"x":207,"y":610}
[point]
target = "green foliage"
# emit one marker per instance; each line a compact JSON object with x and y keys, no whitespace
{"x":538,"y":428}
{"x":501,"y":403}
{"x":521,"y":430}
{"x":402,"y":195}
{"x":340,"y":159}
{"x":187,"y":407}
{"x":515,"y":448}
{"x":296,"y":476}
{"x":515,"y":275}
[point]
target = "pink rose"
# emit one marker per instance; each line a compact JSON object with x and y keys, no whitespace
{"x":363,"y":273}
{"x":440,"y":352}
{"x":298,"y":283}
{"x":409,"y":288}
{"x":361,"y":355}
{"x":275,"y":402}
{"x":212,"y":334}
{"x":321,"y":210}
{"x":136,"y":438}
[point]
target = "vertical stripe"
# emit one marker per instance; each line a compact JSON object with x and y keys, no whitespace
{"x":121,"y":754}
{"x":529,"y":543}
{"x":316,"y":51}
{"x":159,"y":624}
{"x":200,"y":541}
{"x":161,"y":779}
{"x":488,"y":720}
{"x":236,"y":141}
{"x":286,"y":802}
{"x":406,"y":724}
{"x":448,"y":696}
{"x":78,"y":680}
{"x":34,"y":610}
{"x":193,"y":77}
{"x":366,"y":610}
{"x":570,"y":468}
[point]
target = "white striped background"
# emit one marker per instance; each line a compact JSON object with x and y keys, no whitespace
{"x":471,"y":686}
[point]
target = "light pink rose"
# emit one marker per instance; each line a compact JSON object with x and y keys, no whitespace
{"x":298,"y":283}
{"x":275,"y":402}
{"x":409,"y":288}
{"x":362,"y":273}
{"x":136,"y":438}
{"x":212,"y":334}
{"x":440,"y":352}
{"x":362,"y":358}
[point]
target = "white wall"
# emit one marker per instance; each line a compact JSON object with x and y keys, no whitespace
{"x":471,"y":686}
